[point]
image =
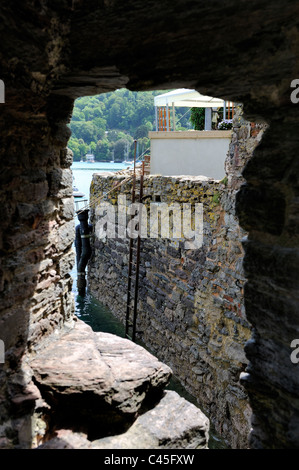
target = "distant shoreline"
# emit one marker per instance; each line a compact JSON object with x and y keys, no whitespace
{"x":101,"y":161}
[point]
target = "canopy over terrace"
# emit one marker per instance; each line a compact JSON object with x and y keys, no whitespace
{"x":185,"y":97}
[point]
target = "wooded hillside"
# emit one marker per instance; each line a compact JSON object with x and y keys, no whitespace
{"x":107,"y":124}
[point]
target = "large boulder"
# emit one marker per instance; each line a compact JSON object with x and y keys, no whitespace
{"x":173,"y":423}
{"x":97,"y":382}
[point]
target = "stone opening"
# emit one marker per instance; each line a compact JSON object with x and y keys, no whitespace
{"x":191,"y":309}
{"x":51,"y":55}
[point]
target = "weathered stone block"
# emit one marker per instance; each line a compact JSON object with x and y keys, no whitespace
{"x":60,"y":183}
{"x":67,"y":208}
{"x":66,"y":158}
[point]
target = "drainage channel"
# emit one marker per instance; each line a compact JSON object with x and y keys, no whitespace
{"x":100,"y":318}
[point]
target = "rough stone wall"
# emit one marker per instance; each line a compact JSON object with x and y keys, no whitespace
{"x":267,"y":206}
{"x":249,"y":55}
{"x":37,"y":231}
{"x":190,"y":310}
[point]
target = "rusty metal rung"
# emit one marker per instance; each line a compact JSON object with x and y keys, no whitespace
{"x":132,"y":291}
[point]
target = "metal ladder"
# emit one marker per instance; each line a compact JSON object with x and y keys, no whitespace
{"x":134,"y":262}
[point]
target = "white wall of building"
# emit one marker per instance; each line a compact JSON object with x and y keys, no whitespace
{"x":189,"y":153}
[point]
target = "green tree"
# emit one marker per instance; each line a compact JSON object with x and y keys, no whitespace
{"x":141,"y":131}
{"x":197,"y":118}
{"x":73,"y":144}
{"x":83,"y":148}
{"x":112,"y":136}
{"x":102,"y":150}
{"x":119,"y":148}
{"x":78,"y":115}
{"x":99,"y":122}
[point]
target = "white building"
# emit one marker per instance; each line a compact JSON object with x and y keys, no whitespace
{"x":191,"y":152}
{"x":90,"y":158}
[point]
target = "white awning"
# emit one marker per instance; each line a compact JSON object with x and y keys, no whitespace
{"x":187,"y":98}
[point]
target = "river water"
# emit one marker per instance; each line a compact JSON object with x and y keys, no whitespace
{"x":97,"y":315}
{"x":88,"y":308}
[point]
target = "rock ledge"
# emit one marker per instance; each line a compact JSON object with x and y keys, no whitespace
{"x":98,"y":385}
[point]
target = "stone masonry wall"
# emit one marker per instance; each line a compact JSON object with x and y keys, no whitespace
{"x":53,"y":48}
{"x":190,"y":308}
{"x":37,"y":231}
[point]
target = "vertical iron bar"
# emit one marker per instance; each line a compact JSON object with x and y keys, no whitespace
{"x":138,"y":257}
{"x":130,"y":250}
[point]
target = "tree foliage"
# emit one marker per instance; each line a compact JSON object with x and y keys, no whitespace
{"x":198,"y":118}
{"x":107,"y":124}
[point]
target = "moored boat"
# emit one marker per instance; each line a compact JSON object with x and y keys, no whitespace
{"x":77,"y":193}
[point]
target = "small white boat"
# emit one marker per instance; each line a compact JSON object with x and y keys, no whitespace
{"x":77,"y":193}
{"x":90,"y":158}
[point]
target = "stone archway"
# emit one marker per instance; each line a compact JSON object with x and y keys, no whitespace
{"x":245,"y":52}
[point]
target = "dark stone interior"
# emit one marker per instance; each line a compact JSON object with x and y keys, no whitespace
{"x":53,"y":52}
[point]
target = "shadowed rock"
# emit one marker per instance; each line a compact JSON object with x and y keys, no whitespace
{"x":89,"y":378}
{"x":173,"y":423}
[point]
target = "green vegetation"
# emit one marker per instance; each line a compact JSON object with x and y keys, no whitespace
{"x":216,"y":197}
{"x":198,"y":118}
{"x":107,"y":124}
{"x":224,"y":181}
